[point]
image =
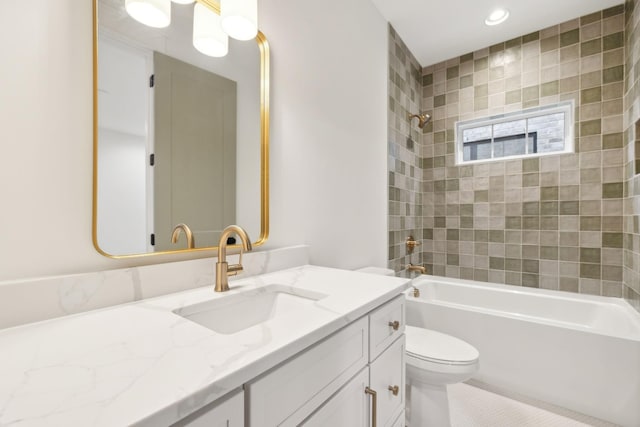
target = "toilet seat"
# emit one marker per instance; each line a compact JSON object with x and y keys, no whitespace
{"x":426,"y":347}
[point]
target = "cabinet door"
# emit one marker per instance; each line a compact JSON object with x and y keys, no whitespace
{"x":386,"y":373}
{"x":225,"y":412}
{"x":288,"y":394}
{"x":347,"y":408}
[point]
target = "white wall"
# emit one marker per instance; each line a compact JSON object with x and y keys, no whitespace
{"x":329,"y":149}
{"x":328,"y":169}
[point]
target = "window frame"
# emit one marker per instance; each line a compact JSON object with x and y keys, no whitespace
{"x":566,"y":107}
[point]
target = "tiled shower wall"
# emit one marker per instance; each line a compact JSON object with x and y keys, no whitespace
{"x":405,"y":145}
{"x":552,"y":222}
{"x":631,"y":151}
{"x":569,"y":222}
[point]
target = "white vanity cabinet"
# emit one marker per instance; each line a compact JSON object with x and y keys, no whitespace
{"x":339,"y":381}
{"x":227,"y":411}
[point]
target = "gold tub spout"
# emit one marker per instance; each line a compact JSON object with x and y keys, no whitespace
{"x":419,"y":268}
{"x":223,"y":269}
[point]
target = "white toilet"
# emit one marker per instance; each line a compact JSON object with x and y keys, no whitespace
{"x":433,"y":360}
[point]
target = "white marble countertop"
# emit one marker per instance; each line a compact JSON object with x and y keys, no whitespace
{"x":140,"y":363}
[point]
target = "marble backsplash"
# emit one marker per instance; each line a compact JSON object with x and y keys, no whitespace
{"x":32,"y":300}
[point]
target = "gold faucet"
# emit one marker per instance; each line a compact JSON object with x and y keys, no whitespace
{"x":418,"y":268}
{"x":223,"y":269}
{"x":411,"y":244}
{"x":187,"y":231}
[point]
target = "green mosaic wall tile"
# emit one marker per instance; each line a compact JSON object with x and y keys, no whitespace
{"x":588,"y":19}
{"x":588,"y":96}
{"x":466,"y":58}
{"x":590,"y":223}
{"x":453,"y":72}
{"x":612,"y":190}
{"x":531,"y":37}
{"x":550,"y":88}
{"x":499,"y":47}
{"x":530,"y":93}
{"x":569,"y":37}
{"x":549,"y":43}
{"x":590,"y":271}
{"x":613,"y":140}
{"x":591,"y":127}
{"x":513,"y":264}
{"x":549,"y":252}
{"x":513,"y":43}
{"x":466,"y":81}
{"x":613,"y":11}
{"x":530,"y":266}
{"x":513,"y":223}
{"x":496,"y":236}
{"x":513,"y":97}
{"x":612,"y":240}
{"x":481,"y":104}
{"x":613,"y":41}
{"x":590,"y":47}
{"x":481,"y":64}
{"x":569,"y":208}
{"x":613,"y":74}
{"x":481,"y":90}
{"x":496,"y":263}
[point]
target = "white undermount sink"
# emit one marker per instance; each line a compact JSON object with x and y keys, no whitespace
{"x":237,"y":312}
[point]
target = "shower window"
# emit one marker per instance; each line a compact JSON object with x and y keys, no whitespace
{"x":534,"y":132}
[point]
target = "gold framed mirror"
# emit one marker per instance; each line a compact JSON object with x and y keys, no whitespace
{"x":179,"y":137}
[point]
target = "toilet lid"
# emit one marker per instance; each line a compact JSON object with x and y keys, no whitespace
{"x":437,"y":347}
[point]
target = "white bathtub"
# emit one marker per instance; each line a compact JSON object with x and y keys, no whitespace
{"x":580,"y":352}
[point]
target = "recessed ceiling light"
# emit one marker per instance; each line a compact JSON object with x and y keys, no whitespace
{"x":498,"y":16}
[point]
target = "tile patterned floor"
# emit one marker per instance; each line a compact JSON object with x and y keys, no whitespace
{"x":472,"y":406}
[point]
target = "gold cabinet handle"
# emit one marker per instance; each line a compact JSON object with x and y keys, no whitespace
{"x":394,"y":389}
{"x":374,"y":406}
{"x":395,"y":325}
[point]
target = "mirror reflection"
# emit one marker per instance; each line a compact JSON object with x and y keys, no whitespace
{"x":181,"y":137}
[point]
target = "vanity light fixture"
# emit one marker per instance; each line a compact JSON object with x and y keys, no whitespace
{"x":496,"y":17}
{"x":208,"y":36}
{"x":153,"y":13}
{"x":240,"y":18}
{"x":211,"y":31}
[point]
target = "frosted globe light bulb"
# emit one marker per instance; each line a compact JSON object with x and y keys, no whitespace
{"x":153,"y":13}
{"x":208,"y":37}
{"x":240,"y":18}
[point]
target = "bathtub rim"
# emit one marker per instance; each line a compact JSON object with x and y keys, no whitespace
{"x":621,"y":303}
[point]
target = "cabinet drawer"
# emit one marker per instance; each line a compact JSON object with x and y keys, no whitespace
{"x":380,"y":320}
{"x":288,"y":394}
{"x":385,"y":372}
{"x":227,"y":411}
{"x":347,"y":408}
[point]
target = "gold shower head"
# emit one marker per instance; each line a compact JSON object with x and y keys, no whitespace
{"x":423,"y":119}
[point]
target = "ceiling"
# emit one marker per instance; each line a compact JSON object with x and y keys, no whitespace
{"x":436,"y":30}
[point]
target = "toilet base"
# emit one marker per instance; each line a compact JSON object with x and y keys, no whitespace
{"x":427,"y":405}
